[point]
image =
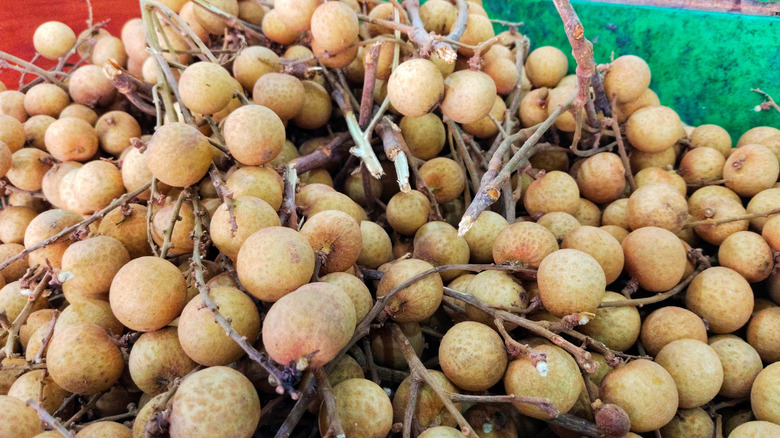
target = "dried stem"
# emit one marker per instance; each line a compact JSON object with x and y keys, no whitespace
{"x":151,"y":427}
{"x":289,"y":212}
{"x":577,"y":424}
{"x":49,"y":419}
{"x":46,"y":338}
{"x":89,"y":405}
{"x":411,"y":405}
{"x":362,"y":148}
{"x":200,"y":282}
{"x":768,"y":101}
{"x":515,"y":349}
{"x":419,"y":369}
{"x":369,"y":81}
{"x":464,"y":152}
{"x":13,"y":333}
{"x":235,"y":22}
{"x":174,"y":218}
{"x":32,"y":68}
{"x":372,"y":367}
{"x":328,"y":153}
{"x":395,"y":148}
{"x":540,"y":402}
{"x":326,"y":391}
{"x":581,"y":48}
{"x":723,"y":220}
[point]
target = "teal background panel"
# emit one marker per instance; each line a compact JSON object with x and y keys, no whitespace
{"x":703,"y":63}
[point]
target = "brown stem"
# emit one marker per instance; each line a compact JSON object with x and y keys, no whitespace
{"x":577,"y":424}
{"x":328,"y":153}
{"x":226,"y":195}
{"x":86,"y":407}
{"x":153,"y":427}
{"x":174,"y":218}
{"x":540,"y":402}
{"x":132,"y":413}
{"x":200,"y":282}
{"x":396,"y":150}
{"x":613,"y":358}
{"x":49,"y":419}
{"x":581,"y":48}
{"x":326,"y":391}
{"x":768,"y":101}
{"x":411,"y":405}
{"x":372,"y":368}
{"x":741,"y":217}
{"x":369,"y":81}
{"x":13,"y":333}
{"x":152,"y":200}
{"x":460,"y":24}
{"x":46,"y":338}
{"x":32,"y":68}
{"x":425,"y":40}
{"x":289,"y":211}
{"x":417,"y":368}
{"x":308,"y":394}
{"x":516,"y":349}
{"x":235,"y":22}
{"x":464,"y":152}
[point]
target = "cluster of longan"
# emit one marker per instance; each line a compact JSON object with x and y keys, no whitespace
{"x":151,"y":266}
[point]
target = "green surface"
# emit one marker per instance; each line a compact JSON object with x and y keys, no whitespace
{"x":703,"y":63}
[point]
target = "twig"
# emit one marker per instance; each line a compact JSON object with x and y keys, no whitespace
{"x":152,"y":426}
{"x":464,"y":152}
{"x":395,"y":147}
{"x":540,"y":402}
{"x":46,"y":338}
{"x":129,"y":414}
{"x":200,"y":282}
{"x":13,"y":333}
{"x":581,"y":48}
{"x":419,"y":369}
{"x":330,"y":403}
{"x":515,"y":349}
{"x":174,"y":218}
{"x":372,"y":368}
{"x":369,"y":81}
{"x":722,"y":220}
{"x":768,"y":101}
{"x":49,"y":419}
{"x":577,"y":424}
{"x":83,"y":410}
{"x":411,"y":405}
{"x":32,"y":68}
{"x":152,"y":200}
{"x":289,"y":211}
{"x":460,"y":23}
{"x":235,"y":22}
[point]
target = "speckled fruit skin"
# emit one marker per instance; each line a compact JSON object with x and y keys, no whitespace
{"x":562,"y":385}
{"x":412,"y":96}
{"x":364,"y":408}
{"x":84,"y":360}
{"x":105,"y":429}
{"x":750,"y":169}
{"x":440,"y":431}
{"x":147,"y":293}
{"x":156,"y":359}
{"x":617,"y":327}
{"x":655,"y":257}
{"x":273,"y":262}
{"x":472,"y":356}
{"x":178,"y":154}
{"x":756,"y":429}
{"x":90,"y":311}
{"x":130,"y":230}
{"x":722,"y":297}
{"x":407,"y":212}
{"x":555,"y":191}
{"x":205,"y":341}
{"x":657,"y":205}
{"x":337,"y":236}
{"x":254,"y":134}
{"x":689,"y":423}
{"x":763,"y":334}
{"x":376,"y":248}
{"x":765,"y":395}
{"x":741,"y":364}
{"x":600,"y":245}
{"x":33,"y":384}
{"x":669,"y":324}
{"x":250,"y":213}
{"x":44,"y":226}
{"x":695,"y":368}
{"x":417,"y":301}
{"x":93,"y":262}
{"x":17,"y":420}
{"x":645,"y":390}
{"x":216,"y":401}
{"x":602,"y":178}
{"x":429,"y":410}
{"x":442,"y":247}
{"x":654,"y":128}
{"x":482,"y":234}
{"x":748,"y":254}
{"x":316,"y":318}
{"x":357,"y":290}
{"x":444,"y":177}
{"x":524,"y":242}
{"x":628,"y":77}
{"x":546,"y":66}
{"x":386,"y":351}
{"x":570,"y":281}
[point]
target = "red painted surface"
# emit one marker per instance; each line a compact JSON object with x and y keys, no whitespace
{"x":18,"y":21}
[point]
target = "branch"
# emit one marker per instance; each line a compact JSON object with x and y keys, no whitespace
{"x":49,"y":419}
{"x":174,"y":218}
{"x":13,"y":333}
{"x":395,"y":148}
{"x":722,"y":220}
{"x":768,"y":101}
{"x":581,"y":48}
{"x":330,"y":403}
{"x":411,"y":404}
{"x":46,"y":338}
{"x":289,"y":211}
{"x":86,"y":407}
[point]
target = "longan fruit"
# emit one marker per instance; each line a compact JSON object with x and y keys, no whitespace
{"x":504,"y":74}
{"x":252,"y":63}
{"x":758,"y":135}
{"x":407,"y":212}
{"x":45,"y":225}
{"x":654,"y":175}
{"x":136,"y":172}
{"x":444,"y":177}
{"x":37,"y":386}
{"x":53,"y":39}
{"x":624,"y":110}
{"x":722,"y":297}
{"x":443,"y":247}
{"x":260,"y":182}
{"x":657,"y":205}
{"x":363,"y":407}
{"x":533,"y":107}
{"x":282,"y":93}
{"x":695,"y":368}
{"x":180,"y":241}
{"x":178,"y":154}
{"x":554,"y":191}
{"x":106,"y":48}
{"x":355,"y":288}
{"x":437,"y":16}
{"x":716,"y":208}
{"x":105,"y":429}
{"x":654,"y":128}
{"x":12,"y":133}
{"x":296,"y":14}
{"x":12,"y":302}
{"x":433,"y":411}
{"x":627,"y":78}
{"x":317,"y":107}
{"x":478,"y":29}
{"x":215,"y":401}
{"x":570,"y":281}
{"x":469,"y":95}
{"x":472,"y":356}
{"x":669,"y":324}
{"x":689,"y":423}
{"x":545,"y":66}
{"x":763,"y":201}
{"x":336,"y":201}
{"x":28,"y":166}
{"x":45,"y":99}
{"x":15,"y":270}
{"x":205,"y":87}
{"x":561,"y":385}
{"x":386,"y":351}
{"x":741,"y":364}
{"x":416,"y":86}
{"x":12,"y":104}
{"x":640,"y":160}
{"x":324,"y":329}
{"x":206,"y":342}
{"x":485,"y":127}
{"x":276,"y":30}
{"x":334,"y":25}
{"x":254,"y":134}
{"x":415,"y":302}
{"x":274,"y":261}
{"x":80,"y":111}
{"x":524,"y":242}
{"x":335,"y":236}
{"x":96,"y":184}
{"x":424,"y":135}
{"x":600,"y":245}
{"x":129,"y":229}
{"x":89,"y":86}
{"x":17,"y":419}
{"x":6,"y":159}
{"x":751,"y":169}
{"x":702,"y":165}
{"x":71,"y":139}
{"x":559,"y":223}
{"x":147,"y":293}
{"x":617,"y":327}
{"x":770,"y":232}
{"x":36,"y":320}
{"x":755,"y":429}
{"x":251,"y":12}
{"x":762,"y":333}
{"x":87,"y":311}
{"x":482,"y":234}
{"x":645,"y":390}
{"x":748,"y":254}
{"x":765,"y":395}
{"x":558,"y":97}
{"x":655,"y":257}
{"x":133,"y":36}
{"x":250,"y":213}
{"x":711,"y":136}
{"x":35,"y":131}
{"x":376,"y":249}
{"x":93,"y":263}
{"x":602,"y":178}
{"x":83,"y":359}
{"x":494,"y":288}
{"x":353,"y":187}
{"x":115,"y":129}
{"x":212,"y":22}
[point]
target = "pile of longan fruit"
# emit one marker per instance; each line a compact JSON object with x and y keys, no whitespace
{"x":164,"y":237}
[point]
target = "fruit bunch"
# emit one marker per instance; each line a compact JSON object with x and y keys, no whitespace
{"x":365,"y":219}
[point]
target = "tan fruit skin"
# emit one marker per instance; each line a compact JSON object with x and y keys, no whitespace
{"x":33,"y":384}
{"x":336,"y":235}
{"x":216,"y":401}
{"x":616,"y":327}
{"x":763,"y":334}
{"x":741,"y":364}
{"x":156,"y":359}
{"x":645,"y":390}
{"x":655,"y":257}
{"x":429,"y":410}
{"x":83,"y":359}
{"x":756,"y":429}
{"x":693,"y":423}
{"x":668,"y":324}
{"x":472,"y":356}
{"x":722,"y":297}
{"x":90,"y":311}
{"x":524,"y":242}
{"x":385,"y":350}
{"x":570,"y":281}
{"x":364,"y":409}
{"x":18,"y":420}
{"x":105,"y":429}
{"x":765,"y":395}
{"x":695,"y":368}
{"x":416,"y":302}
{"x":93,"y":263}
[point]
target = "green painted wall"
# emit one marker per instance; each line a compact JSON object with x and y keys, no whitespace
{"x":703,"y":63}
